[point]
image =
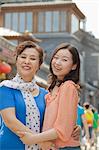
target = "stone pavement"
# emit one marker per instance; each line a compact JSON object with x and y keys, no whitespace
{"x":90,"y":148}
{"x":95,"y":147}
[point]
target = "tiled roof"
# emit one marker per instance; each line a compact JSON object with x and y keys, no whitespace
{"x":35,"y":3}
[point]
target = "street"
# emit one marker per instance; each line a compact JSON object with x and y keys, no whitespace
{"x":95,"y":147}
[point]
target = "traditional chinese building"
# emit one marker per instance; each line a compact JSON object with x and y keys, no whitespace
{"x":54,"y":22}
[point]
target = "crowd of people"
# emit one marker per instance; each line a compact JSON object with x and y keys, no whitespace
{"x":88,"y":119}
{"x":34,"y":118}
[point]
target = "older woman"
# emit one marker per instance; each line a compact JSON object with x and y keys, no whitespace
{"x":22,"y":102}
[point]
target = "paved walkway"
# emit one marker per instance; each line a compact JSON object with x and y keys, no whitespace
{"x":95,"y":147}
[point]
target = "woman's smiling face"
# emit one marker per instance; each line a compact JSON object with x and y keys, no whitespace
{"x":28,"y":63}
{"x":62,"y":63}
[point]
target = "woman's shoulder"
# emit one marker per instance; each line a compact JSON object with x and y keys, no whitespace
{"x":69,"y":83}
{"x":5,"y":93}
{"x":5,"y":90}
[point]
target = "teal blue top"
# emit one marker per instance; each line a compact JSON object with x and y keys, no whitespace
{"x":80,"y":112}
{"x":13,"y":98}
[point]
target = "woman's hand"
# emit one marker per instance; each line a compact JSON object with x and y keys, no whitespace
{"x":46,"y":145}
{"x":26,"y":137}
{"x":29,"y":139}
{"x":76,"y":133}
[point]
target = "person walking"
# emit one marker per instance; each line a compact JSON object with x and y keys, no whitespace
{"x":90,"y":118}
{"x":95,"y":124}
{"x":82,"y":122}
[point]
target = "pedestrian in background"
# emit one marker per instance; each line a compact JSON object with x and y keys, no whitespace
{"x":89,"y":117}
{"x":95,"y":124}
{"x":81,"y":121}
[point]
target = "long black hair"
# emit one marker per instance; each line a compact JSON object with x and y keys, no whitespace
{"x":73,"y":74}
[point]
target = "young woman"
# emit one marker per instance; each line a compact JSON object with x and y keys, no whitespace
{"x":61,"y":102}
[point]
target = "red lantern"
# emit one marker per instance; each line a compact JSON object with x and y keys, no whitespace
{"x":5,"y":68}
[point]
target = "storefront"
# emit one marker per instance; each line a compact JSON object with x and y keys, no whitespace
{"x":7,"y":59}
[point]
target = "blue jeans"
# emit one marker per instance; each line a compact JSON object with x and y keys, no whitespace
{"x":90,"y":132}
{"x":70,"y":148}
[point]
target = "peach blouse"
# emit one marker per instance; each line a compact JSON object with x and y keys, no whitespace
{"x":61,"y":113}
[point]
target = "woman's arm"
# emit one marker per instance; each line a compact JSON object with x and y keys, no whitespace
{"x":12,"y":122}
{"x":46,"y":136}
{"x":67,"y":110}
{"x":29,"y":138}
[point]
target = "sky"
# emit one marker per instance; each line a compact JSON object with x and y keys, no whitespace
{"x":90,"y":8}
